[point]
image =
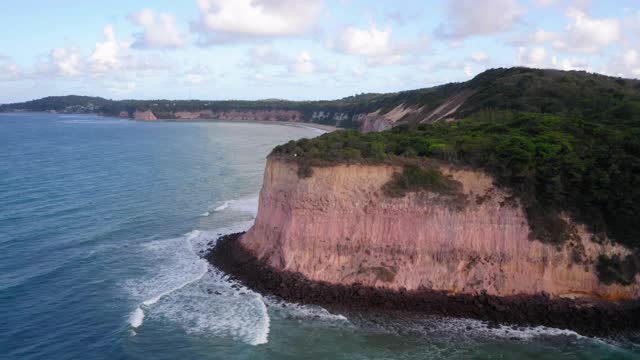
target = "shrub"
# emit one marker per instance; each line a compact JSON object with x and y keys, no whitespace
{"x":415,"y":178}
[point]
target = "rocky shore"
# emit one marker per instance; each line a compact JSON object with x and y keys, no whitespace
{"x":588,"y":317}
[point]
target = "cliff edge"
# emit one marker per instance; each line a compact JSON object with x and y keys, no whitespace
{"x":338,"y":226}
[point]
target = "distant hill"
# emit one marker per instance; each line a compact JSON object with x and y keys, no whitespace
{"x":576,"y":93}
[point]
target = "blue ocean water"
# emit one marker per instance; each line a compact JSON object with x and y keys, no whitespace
{"x":102,"y":222}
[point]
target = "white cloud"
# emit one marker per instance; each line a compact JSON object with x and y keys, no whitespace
{"x":467,"y":70}
{"x":224,"y":20}
{"x":11,"y":71}
{"x":107,"y":54}
{"x":110,"y":57}
{"x":357,"y":71}
{"x":61,"y":62}
{"x":158,"y":31}
{"x":304,"y":64}
{"x":534,"y":57}
{"x":469,"y":18}
{"x":586,"y":34}
{"x":377,"y":45}
{"x":569,"y":64}
{"x":480,"y":57}
{"x":543,"y":36}
{"x":626,"y":64}
{"x":366,"y":42}
{"x":67,"y":61}
{"x":113,"y":55}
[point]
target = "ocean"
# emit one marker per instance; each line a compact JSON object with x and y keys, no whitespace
{"x":103,"y":223}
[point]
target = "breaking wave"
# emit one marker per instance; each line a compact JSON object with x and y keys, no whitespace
{"x":186,"y":290}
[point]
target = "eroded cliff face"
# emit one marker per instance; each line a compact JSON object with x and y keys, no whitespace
{"x":144,"y":115}
{"x":338,"y":226}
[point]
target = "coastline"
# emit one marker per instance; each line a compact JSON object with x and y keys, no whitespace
{"x":322,"y":127}
{"x":585,"y":317}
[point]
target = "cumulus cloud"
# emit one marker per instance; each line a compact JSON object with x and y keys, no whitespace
{"x":367,"y":42}
{"x":227,"y":20}
{"x":61,"y":62}
{"x":158,"y":31}
{"x":626,"y":64}
{"x":570,"y":64}
{"x":11,"y":71}
{"x":585,"y":34}
{"x":114,"y":55}
{"x":109,"y":57}
{"x":304,"y":64}
{"x":107,"y":54}
{"x":532,"y":57}
{"x":466,"y":18}
{"x":377,"y":45}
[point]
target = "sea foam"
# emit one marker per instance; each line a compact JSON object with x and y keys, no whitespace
{"x":186,"y":290}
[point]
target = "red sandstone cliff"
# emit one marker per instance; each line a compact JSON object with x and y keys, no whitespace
{"x":338,"y":226}
{"x":144,"y":115}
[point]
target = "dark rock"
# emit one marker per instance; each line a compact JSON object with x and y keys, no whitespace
{"x":596,"y":318}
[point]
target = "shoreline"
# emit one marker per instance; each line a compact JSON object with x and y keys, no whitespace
{"x":325,"y":128}
{"x":585,"y":317}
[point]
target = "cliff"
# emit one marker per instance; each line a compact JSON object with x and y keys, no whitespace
{"x":144,"y":115}
{"x":339,"y":227}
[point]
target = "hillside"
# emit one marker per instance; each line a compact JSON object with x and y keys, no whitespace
{"x":568,"y":93}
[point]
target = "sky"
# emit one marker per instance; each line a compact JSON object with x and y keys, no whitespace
{"x":299,"y":49}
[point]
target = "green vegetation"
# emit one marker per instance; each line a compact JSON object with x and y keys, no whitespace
{"x":616,"y":270}
{"x":415,"y":178}
{"x":552,"y":163}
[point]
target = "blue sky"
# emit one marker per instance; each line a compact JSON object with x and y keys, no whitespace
{"x":298,"y":49}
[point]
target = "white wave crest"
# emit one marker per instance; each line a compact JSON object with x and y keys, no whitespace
{"x":246,"y":205}
{"x":137,"y":317}
{"x":183,"y":288}
{"x":223,"y":206}
{"x":305,"y":312}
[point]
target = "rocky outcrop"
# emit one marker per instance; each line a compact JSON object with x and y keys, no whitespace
{"x":588,"y":317}
{"x":338,"y":226}
{"x":144,"y":115}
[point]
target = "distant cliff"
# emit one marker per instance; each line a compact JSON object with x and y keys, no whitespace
{"x":339,"y":226}
{"x":591,"y":96}
{"x":144,"y":115}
